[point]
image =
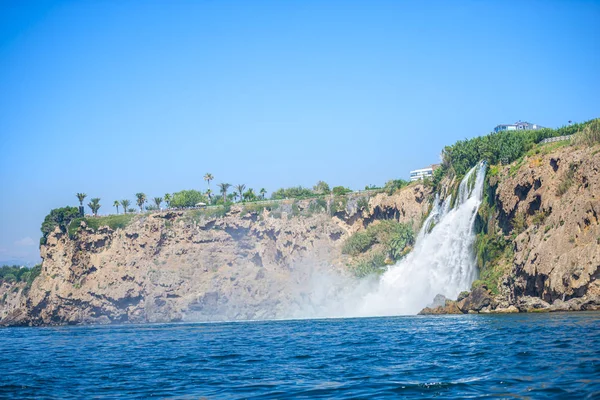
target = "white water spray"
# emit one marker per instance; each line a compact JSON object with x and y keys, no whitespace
{"x":442,"y":262}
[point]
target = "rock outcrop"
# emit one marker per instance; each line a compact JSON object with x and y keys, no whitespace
{"x":185,"y":265}
{"x":548,"y":210}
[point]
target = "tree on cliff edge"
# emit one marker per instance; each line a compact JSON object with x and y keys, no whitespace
{"x":94,"y":205}
{"x":125,"y":203}
{"x":208,"y":177}
{"x":60,"y":217}
{"x":81,"y":197}
{"x":116,"y":204}
{"x":240,"y":189}
{"x":141,"y":199}
{"x":224,"y":187}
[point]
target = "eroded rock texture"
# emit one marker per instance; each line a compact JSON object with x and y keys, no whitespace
{"x":175,"y":265}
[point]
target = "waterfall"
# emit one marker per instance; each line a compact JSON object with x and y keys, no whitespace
{"x":442,"y":261}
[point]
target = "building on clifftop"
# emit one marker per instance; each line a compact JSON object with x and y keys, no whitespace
{"x":517,"y":126}
{"x":423,"y":173}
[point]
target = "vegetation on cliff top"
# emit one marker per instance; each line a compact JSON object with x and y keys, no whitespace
{"x":58,"y":217}
{"x":502,"y":147}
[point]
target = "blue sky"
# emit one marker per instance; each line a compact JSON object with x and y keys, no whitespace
{"x":115,"y":97}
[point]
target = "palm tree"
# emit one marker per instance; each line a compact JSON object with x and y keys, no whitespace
{"x":168,"y":200}
{"x":116,"y":204}
{"x":240,"y":189}
{"x":249,"y":195}
{"x":263,"y":191}
{"x":125,"y":203}
{"x":208,"y":177}
{"x":141,"y":199}
{"x":208,"y":194}
{"x":157,"y":201}
{"x":94,"y":205}
{"x":81,"y":197}
{"x":224,"y":187}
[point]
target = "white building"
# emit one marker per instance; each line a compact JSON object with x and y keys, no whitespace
{"x":517,"y":126}
{"x":422,"y":173}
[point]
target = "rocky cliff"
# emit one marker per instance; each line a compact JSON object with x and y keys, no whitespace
{"x":538,"y":249}
{"x":541,"y":220}
{"x":252,"y":262}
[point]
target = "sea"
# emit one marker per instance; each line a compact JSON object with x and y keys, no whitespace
{"x":516,"y":356}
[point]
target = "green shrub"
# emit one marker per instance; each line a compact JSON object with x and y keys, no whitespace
{"x":363,"y":204}
{"x":339,"y":204}
{"x":213,"y":212}
{"x":372,"y":264}
{"x":340,"y":191}
{"x":590,"y":134}
{"x":567,"y":180}
{"x":257,"y":208}
{"x":297,"y":192}
{"x":187,"y":198}
{"x":118,"y":221}
{"x":506,"y":146}
{"x":394,"y":237}
{"x":519,"y":222}
{"x":358,"y":243}
{"x":489,"y":248}
{"x":321,"y":188}
{"x":60,"y":217}
{"x":539,"y":217}
{"x":317,"y":206}
{"x":393,"y":185}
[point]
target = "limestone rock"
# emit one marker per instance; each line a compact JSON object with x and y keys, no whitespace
{"x":479,"y":298}
{"x":184,"y":265}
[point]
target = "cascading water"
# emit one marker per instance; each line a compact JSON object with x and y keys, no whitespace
{"x":442,"y":261}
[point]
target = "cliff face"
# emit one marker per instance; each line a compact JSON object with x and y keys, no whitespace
{"x":547,"y":209}
{"x":184,"y":265}
{"x":557,"y":250}
{"x":539,"y":237}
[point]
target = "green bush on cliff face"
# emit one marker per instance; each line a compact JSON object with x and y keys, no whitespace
{"x":372,"y":264}
{"x":363,"y":204}
{"x":566,"y":180}
{"x":317,"y":206}
{"x":358,"y":243}
{"x":494,"y":254}
{"x":339,"y":205}
{"x":387,"y":240}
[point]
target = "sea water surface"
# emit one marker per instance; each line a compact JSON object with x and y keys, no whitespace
{"x":470,"y":356}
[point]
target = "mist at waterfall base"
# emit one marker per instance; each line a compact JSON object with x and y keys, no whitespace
{"x":442,"y":262}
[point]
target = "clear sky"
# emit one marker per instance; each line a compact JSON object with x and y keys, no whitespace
{"x":111,"y":98}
